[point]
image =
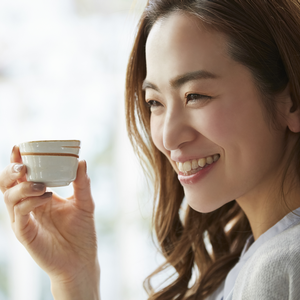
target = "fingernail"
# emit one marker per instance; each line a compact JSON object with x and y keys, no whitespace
{"x":38,"y":187}
{"x":18,"y":168}
{"x":13,"y":149}
{"x":46,"y":195}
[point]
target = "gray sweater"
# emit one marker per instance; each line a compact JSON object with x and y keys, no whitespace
{"x":269,"y":268}
{"x":273,"y":271}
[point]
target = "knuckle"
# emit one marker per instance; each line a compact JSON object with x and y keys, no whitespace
{"x":88,"y":181}
{"x":23,"y":189}
{"x":19,"y":208}
{"x":7,"y":178}
{"x":3,"y":175}
{"x":6,"y":196}
{"x":9,"y":173}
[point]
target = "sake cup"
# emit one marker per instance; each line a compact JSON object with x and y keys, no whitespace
{"x":53,"y":162}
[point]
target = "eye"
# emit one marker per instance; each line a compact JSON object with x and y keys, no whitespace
{"x":196,"y":97}
{"x":153,"y":104}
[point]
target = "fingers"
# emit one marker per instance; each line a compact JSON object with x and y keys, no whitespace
{"x":22,"y":215}
{"x":24,"y":190}
{"x":20,"y":201}
{"x":82,"y":189}
{"x":11,"y":175}
{"x":15,"y":156}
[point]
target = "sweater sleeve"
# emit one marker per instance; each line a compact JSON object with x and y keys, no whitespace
{"x":272,"y":273}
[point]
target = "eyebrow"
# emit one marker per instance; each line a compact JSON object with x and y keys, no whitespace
{"x":182,"y":79}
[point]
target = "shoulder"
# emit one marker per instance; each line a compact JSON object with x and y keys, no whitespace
{"x":283,"y":249}
{"x":273,"y":271}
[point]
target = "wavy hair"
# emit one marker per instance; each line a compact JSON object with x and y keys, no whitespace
{"x":263,"y":36}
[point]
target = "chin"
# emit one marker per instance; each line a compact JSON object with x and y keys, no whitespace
{"x":206,"y":206}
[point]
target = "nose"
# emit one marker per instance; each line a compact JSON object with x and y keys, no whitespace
{"x":177,"y":129}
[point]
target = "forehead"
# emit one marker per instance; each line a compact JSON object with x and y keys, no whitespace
{"x":180,"y":44}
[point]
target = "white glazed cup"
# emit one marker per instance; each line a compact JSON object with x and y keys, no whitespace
{"x":52,"y":162}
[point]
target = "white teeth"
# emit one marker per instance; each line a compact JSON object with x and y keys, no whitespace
{"x":216,"y":157}
{"x":180,"y":167}
{"x":202,"y":162}
{"x":187,"y":166}
{"x":209,"y":160}
{"x":195,"y":164}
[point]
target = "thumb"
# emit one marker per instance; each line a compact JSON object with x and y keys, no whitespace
{"x":15,"y":156}
{"x":82,"y":188}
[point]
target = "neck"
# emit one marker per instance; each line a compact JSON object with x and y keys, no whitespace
{"x":264,"y":209}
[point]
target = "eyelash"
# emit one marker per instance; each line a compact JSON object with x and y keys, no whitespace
{"x":154,"y":103}
{"x":199,"y":97}
{"x":150,"y":103}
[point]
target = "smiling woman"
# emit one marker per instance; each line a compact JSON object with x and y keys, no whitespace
{"x":212,"y":107}
{"x":228,"y":120}
{"x":220,"y":80}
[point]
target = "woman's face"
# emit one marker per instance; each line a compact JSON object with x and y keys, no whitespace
{"x":205,"y":107}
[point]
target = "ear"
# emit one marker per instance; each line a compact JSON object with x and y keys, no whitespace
{"x":294,"y":120}
{"x":292,"y":114}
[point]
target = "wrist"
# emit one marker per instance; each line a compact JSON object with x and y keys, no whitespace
{"x":84,"y":286}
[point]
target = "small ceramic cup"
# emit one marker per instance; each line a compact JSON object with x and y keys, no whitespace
{"x":52,"y":162}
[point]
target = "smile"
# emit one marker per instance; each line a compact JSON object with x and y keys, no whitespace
{"x":193,"y":166}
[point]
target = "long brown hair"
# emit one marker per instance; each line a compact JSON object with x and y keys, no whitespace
{"x":263,"y":36}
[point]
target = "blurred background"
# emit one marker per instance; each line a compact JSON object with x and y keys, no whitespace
{"x":62,"y":76}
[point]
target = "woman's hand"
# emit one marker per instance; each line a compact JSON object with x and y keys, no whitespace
{"x":58,"y":233}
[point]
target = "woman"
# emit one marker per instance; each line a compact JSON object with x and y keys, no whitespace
{"x":212,"y":103}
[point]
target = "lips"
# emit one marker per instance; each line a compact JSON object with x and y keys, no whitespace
{"x":195,"y":175}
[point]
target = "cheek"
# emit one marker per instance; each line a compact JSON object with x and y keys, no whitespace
{"x":230,"y":122}
{"x":156,"y":128}
{"x":217,"y":124}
